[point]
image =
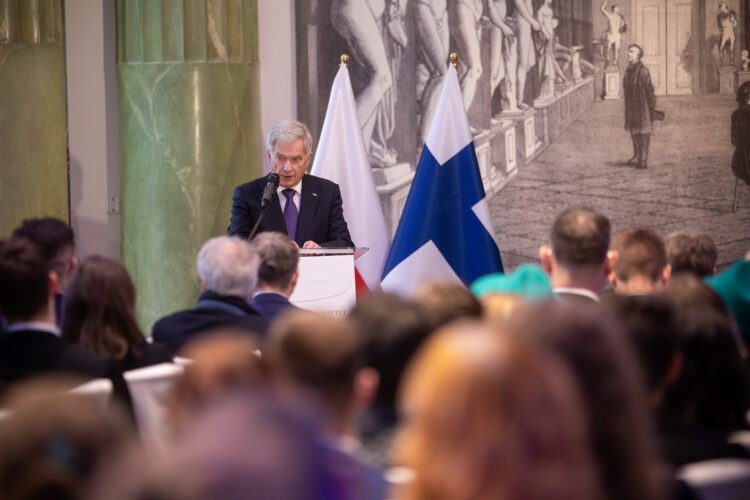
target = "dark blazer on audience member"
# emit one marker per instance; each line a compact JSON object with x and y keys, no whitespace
{"x":149,"y":354}
{"x":271,"y":304}
{"x":26,"y":353}
{"x":212,"y":311}
{"x":321,"y":216}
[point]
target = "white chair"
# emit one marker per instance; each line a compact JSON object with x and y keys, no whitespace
{"x":720,"y":479}
{"x":150,"y":389}
{"x":180,"y":361}
{"x":98,"y":390}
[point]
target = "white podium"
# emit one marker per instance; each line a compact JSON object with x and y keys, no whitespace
{"x":326,"y":280}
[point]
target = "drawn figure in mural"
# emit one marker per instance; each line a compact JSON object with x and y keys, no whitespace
{"x":640,"y":104}
{"x":546,"y":50}
{"x":525,"y":24}
{"x":741,"y":135}
{"x":745,"y":59}
{"x":612,"y":36}
{"x":466,"y":29}
{"x":503,"y":53}
{"x":727,"y":20}
{"x":432,"y":52}
{"x":376,"y":36}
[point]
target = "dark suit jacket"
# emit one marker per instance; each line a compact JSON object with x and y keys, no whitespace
{"x":321,"y":216}
{"x":212,"y":311}
{"x":26,"y":353}
{"x":270,"y":305}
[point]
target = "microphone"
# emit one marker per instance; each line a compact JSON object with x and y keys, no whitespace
{"x":271,"y":186}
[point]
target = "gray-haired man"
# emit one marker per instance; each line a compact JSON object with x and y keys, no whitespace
{"x":305,"y":207}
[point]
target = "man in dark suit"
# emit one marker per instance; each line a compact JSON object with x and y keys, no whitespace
{"x":228,"y":270}
{"x":579,"y":261}
{"x":305,"y":207}
{"x":277,"y":273}
{"x":33,"y":344}
{"x":640,"y":105}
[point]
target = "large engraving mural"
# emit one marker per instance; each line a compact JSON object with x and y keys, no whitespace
{"x":545,"y":87}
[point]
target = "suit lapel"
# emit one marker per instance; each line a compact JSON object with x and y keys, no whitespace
{"x":307,"y":207}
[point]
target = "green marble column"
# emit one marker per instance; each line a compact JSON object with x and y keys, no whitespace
{"x":189,"y":98}
{"x":33,"y":132}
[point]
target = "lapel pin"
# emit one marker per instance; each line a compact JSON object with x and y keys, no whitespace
{"x":315,"y":194}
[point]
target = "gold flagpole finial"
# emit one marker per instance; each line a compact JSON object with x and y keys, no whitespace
{"x":345,"y":59}
{"x":454,"y":59}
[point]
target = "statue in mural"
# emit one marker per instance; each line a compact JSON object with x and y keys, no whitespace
{"x":466,"y":30}
{"x":503,"y":54}
{"x":612,"y":36}
{"x":432,"y":53}
{"x":525,"y":24}
{"x":727,"y":20}
{"x":745,"y":59}
{"x":375,"y":34}
{"x":547,"y":65}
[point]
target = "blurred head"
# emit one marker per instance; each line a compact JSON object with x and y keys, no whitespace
{"x":446,"y":301}
{"x":711,"y":391}
{"x":485,"y":416}
{"x":228,"y":266}
{"x":224,"y":361}
{"x":321,"y":356}
{"x":694,"y":252}
{"x":650,"y":321}
{"x":501,"y":306}
{"x":279,"y":257}
{"x":56,"y":241}
{"x":578,"y":253}
{"x":100,"y":308}
{"x":635,"y":53}
{"x":641,"y":265}
{"x":611,"y":383}
{"x":392,"y":328}
{"x":54,"y":443}
{"x":289,"y":145}
{"x":27,"y":283}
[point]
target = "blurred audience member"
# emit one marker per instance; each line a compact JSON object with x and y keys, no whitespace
{"x":650,"y":321}
{"x":228,"y":271}
{"x":241,"y":447}
{"x":53,"y":443}
{"x":225,"y":361}
{"x":612,"y":387}
{"x":710,"y":398}
{"x":578,"y":261}
{"x":100,"y":315}
{"x":33,"y":343}
{"x":321,"y":357}
{"x":277,"y":273}
{"x":56,"y":241}
{"x":733,"y":285}
{"x":446,"y":301}
{"x":486,"y":417}
{"x":691,"y":251}
{"x":503,"y":294}
{"x":393,"y":328}
{"x":641,"y":265}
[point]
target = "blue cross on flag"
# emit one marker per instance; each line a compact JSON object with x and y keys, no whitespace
{"x":445,"y":232}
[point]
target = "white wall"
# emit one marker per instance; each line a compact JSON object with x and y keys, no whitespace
{"x":93,"y":125}
{"x":278,"y":76}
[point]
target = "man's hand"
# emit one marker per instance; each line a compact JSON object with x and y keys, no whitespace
{"x":310,"y":244}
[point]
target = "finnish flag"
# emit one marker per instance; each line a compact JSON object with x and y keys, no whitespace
{"x":445,"y":232}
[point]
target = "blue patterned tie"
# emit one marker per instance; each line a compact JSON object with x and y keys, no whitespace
{"x":291,"y":214}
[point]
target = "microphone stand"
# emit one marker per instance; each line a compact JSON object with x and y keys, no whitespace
{"x":257,"y":223}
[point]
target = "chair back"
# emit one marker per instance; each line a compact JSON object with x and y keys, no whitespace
{"x":719,"y":479}
{"x":98,"y":390}
{"x":150,"y":389}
